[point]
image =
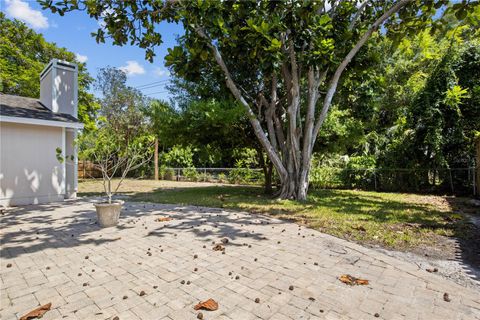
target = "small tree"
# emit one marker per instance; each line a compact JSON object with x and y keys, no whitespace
{"x":114,"y":159}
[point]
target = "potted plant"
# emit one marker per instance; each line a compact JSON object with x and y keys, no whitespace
{"x":115,"y":160}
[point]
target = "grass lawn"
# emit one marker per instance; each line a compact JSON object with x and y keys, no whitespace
{"x":393,"y":220}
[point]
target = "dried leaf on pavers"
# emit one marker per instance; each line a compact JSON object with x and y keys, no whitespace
{"x":446,"y":297}
{"x":163,"y":219}
{"x":209,"y":304}
{"x":218,"y":247}
{"x":37,"y":313}
{"x":351,"y":280}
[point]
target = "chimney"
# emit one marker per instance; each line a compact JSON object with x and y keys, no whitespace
{"x":59,"y":87}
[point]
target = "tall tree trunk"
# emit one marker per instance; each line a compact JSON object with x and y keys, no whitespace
{"x":155,"y":160}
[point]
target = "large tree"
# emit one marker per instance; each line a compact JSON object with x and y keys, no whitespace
{"x":281,"y":60}
{"x":23,"y":55}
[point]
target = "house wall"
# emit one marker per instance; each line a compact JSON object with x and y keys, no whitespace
{"x":30,"y":172}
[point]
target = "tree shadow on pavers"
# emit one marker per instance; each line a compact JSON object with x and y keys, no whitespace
{"x":30,"y":229}
{"x":33,"y":228}
{"x":467,"y":233}
{"x":206,"y":224}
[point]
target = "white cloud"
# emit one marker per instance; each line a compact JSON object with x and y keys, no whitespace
{"x":159,"y":72}
{"x":21,"y":10}
{"x":81,"y":58}
{"x":133,"y":68}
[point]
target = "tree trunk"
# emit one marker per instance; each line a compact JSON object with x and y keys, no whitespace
{"x":292,"y":189}
{"x":267,"y":168}
{"x":156,"y":159}
{"x":269,"y":178}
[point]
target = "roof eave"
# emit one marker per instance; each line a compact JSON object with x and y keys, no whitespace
{"x":41,"y":122}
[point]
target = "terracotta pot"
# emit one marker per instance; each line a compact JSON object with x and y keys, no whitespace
{"x":108,"y":213}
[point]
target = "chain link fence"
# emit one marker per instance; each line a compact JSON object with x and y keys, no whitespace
{"x":218,"y":175}
{"x":459,"y":181}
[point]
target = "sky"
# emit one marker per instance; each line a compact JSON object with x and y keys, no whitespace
{"x":72,"y":31}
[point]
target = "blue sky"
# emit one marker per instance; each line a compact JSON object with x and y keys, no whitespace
{"x":72,"y":31}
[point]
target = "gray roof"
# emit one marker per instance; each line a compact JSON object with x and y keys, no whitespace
{"x":23,"y":107}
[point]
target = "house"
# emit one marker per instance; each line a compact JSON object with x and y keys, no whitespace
{"x":38,"y":157}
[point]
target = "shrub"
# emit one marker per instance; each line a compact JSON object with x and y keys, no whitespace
{"x":191,"y":174}
{"x":222,"y":178}
{"x":178,"y":157}
{"x":245,"y":176}
{"x":359,"y":172}
{"x":167,"y":173}
{"x":326,"y":177}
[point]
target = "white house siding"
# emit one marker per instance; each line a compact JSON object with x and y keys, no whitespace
{"x":30,"y":172}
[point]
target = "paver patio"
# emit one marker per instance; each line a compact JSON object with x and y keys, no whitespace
{"x":56,"y":253}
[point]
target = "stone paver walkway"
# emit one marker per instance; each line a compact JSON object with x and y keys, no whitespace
{"x":56,"y":253}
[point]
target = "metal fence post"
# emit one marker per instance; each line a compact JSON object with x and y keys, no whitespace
{"x":375,"y":178}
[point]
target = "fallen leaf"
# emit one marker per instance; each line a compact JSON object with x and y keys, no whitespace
{"x":209,"y":304}
{"x":218,"y":247}
{"x":350,"y":280}
{"x":37,"y":313}
{"x":446,"y":298}
{"x":163,"y":219}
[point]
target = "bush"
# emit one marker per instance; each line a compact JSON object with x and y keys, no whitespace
{"x":245,"y":176}
{"x":325,"y":178}
{"x":222,"y":178}
{"x":191,"y":174}
{"x":167,"y":173}
{"x":359,"y":172}
{"x":178,"y":157}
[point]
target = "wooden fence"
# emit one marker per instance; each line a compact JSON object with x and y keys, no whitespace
{"x":87,"y":170}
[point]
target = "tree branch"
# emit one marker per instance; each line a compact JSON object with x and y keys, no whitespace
{"x":257,"y":128}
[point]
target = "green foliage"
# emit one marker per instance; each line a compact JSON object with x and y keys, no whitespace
{"x":58,"y":154}
{"x":191,"y":174}
{"x":23,"y":55}
{"x":166,"y":173}
{"x":178,"y":157}
{"x":245,"y":176}
{"x":354,"y":174}
{"x":163,"y":122}
{"x":245,"y":157}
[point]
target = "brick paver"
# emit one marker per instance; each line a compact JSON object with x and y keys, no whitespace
{"x":56,"y":253}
